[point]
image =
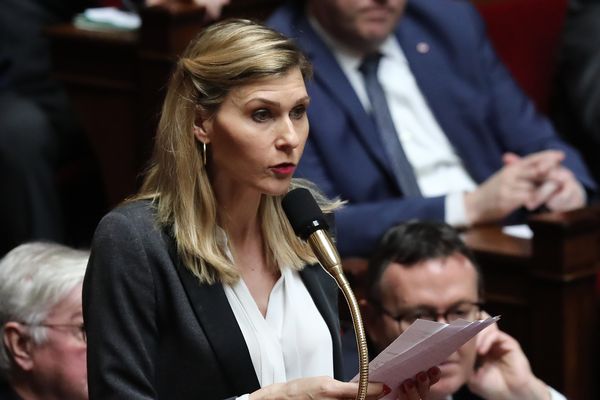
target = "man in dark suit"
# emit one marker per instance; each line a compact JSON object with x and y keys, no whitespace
{"x":438,"y":131}
{"x":423,"y":270}
{"x":38,"y":128}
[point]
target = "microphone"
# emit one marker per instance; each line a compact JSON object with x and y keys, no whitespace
{"x":310,"y":225}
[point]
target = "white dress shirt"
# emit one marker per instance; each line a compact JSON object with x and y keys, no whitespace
{"x":292,"y":340}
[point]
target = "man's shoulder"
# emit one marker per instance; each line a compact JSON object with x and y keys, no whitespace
{"x":285,"y":18}
{"x":439,"y":7}
{"x":440,"y":12}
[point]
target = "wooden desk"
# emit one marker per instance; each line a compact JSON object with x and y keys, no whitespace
{"x":116,"y":81}
{"x":544,"y":289}
{"x":99,"y":70}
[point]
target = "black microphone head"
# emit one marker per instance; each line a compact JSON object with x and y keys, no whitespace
{"x":303,"y":212}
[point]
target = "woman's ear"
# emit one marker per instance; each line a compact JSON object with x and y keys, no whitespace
{"x":19,"y":345}
{"x":202,"y":126}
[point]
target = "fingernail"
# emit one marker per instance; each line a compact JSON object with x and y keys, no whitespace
{"x":409,"y":384}
{"x":386,"y":390}
{"x":422,"y":376}
{"x":433,"y":371}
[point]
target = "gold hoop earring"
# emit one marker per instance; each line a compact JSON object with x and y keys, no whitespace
{"x":204,"y":154}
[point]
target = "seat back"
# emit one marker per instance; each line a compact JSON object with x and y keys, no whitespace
{"x":526,"y":35}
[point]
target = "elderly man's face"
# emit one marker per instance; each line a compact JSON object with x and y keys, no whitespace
{"x":440,"y":285}
{"x":360,"y":24}
{"x":59,"y":364}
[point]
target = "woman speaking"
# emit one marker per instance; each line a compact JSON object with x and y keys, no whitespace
{"x":198,"y":288}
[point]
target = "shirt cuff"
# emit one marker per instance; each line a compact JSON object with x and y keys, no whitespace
{"x":456,"y":214}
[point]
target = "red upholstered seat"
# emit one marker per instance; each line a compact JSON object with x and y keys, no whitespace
{"x":526,"y":34}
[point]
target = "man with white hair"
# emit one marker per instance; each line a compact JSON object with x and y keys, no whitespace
{"x":43,"y":352}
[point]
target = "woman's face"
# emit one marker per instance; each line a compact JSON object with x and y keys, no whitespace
{"x":257,"y":136}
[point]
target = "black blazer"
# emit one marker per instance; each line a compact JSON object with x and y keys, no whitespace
{"x":154,"y":331}
{"x":6,"y":391}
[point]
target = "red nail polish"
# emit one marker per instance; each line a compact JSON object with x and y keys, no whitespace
{"x":422,"y":376}
{"x":409,"y":384}
{"x":386,"y":389}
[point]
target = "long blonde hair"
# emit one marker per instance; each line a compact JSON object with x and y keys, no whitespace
{"x":224,"y":56}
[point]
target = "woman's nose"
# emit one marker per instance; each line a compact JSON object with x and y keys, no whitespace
{"x":289,"y":136}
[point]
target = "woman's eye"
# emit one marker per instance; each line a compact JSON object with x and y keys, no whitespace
{"x":261,"y":115}
{"x":298,"y":112}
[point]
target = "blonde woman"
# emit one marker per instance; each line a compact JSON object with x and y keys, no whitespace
{"x":198,"y":287}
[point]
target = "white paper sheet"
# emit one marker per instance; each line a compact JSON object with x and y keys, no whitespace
{"x":423,"y":345}
{"x":108,"y":17}
{"x":520,"y":231}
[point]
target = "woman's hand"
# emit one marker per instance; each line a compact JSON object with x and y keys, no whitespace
{"x":321,"y":387}
{"x":325,"y":388}
{"x":418,"y":389}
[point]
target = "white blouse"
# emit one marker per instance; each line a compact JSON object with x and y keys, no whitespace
{"x":292,"y":341}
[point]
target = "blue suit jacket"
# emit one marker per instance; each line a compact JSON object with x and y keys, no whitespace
{"x":472,"y":96}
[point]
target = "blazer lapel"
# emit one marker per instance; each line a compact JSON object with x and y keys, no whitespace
{"x":214,"y":314}
{"x":331,"y":77}
{"x":428,"y":57}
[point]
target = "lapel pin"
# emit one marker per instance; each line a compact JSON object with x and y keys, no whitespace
{"x":423,"y":47}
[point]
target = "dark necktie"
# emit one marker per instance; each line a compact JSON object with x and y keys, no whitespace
{"x":381,"y":113}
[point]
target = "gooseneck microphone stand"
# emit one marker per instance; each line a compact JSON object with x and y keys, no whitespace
{"x":308,"y":222}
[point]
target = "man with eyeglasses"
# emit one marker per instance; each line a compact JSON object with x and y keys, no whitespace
{"x":424,"y":270}
{"x":43,"y":352}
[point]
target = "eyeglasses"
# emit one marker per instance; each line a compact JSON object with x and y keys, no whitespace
{"x":466,"y":310}
{"x":77,"y":330}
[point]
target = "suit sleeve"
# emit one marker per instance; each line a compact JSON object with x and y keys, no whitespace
{"x":360,"y":224}
{"x":518,"y":126}
{"x":119,"y":307}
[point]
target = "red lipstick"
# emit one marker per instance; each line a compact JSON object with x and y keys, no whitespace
{"x":284,"y":169}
